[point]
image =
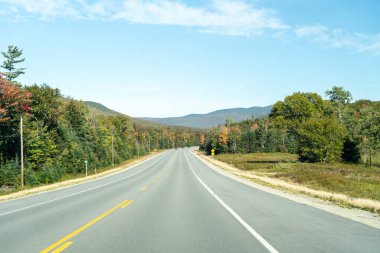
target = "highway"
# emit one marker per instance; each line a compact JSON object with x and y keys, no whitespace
{"x":173,"y":203}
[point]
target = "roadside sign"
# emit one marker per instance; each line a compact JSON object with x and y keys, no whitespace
{"x":85,"y":162}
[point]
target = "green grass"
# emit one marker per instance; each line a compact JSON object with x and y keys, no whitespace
{"x":357,"y":181}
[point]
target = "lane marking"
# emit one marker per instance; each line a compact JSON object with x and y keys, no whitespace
{"x":80,"y":192}
{"x":89,"y":224}
{"x":62,"y":247}
{"x":127,"y":203}
{"x":253,"y":232}
{"x":144,"y":188}
{"x":89,"y":181}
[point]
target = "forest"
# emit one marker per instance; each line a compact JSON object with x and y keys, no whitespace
{"x":316,"y":129}
{"x":60,"y":133}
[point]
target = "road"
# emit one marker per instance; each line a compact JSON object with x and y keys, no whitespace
{"x":174,"y":203}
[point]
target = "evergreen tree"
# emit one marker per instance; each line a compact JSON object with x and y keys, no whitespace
{"x":12,"y":57}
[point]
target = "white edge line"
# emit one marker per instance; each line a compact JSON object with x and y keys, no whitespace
{"x":76,"y":193}
{"x":253,"y":232}
{"x":86,"y":181}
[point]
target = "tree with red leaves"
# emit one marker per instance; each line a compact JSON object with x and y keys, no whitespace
{"x":13,"y":101}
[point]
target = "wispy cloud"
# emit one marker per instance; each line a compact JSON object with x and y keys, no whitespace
{"x":224,"y":17}
{"x":221,"y":16}
{"x":43,"y":8}
{"x":227,"y":17}
{"x":338,"y":38}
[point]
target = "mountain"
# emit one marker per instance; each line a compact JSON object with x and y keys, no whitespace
{"x":214,"y":118}
{"x":194,"y":120}
{"x":101,"y":108}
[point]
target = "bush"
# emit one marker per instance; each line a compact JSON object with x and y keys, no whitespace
{"x":351,"y":151}
{"x":30,"y":176}
{"x":10,"y":174}
{"x":50,"y":173}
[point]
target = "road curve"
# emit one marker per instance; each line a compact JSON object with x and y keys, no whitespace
{"x":174,"y":203}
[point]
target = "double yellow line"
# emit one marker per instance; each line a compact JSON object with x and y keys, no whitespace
{"x":63,"y":243}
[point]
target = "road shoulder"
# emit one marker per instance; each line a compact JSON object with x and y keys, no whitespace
{"x":68,"y":183}
{"x":359,"y":215}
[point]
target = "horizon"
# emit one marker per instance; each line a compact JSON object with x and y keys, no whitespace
{"x":168,"y":58}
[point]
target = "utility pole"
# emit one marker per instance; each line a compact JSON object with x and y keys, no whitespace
{"x":85,"y":162}
{"x":113,"y":156}
{"x":138,"y":148}
{"x":22,"y":153}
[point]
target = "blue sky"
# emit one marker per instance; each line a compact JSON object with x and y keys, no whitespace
{"x":171,"y":58}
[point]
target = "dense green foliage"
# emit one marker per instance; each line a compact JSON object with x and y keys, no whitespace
{"x":61,"y":133}
{"x":317,"y":130}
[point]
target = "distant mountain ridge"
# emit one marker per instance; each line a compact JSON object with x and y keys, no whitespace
{"x":214,"y":118}
{"x":101,"y":108}
{"x":195,"y":120}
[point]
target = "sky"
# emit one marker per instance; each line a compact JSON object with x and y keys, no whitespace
{"x":163,"y":58}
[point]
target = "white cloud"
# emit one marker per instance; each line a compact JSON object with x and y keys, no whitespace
{"x":227,"y":17}
{"x":44,"y":8}
{"x":222,"y":16}
{"x":304,"y":31}
{"x":338,"y":38}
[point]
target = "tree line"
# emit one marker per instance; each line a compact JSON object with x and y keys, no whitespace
{"x":317,"y":130}
{"x":60,"y":133}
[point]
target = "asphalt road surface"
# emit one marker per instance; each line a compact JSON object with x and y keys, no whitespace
{"x":174,"y":203}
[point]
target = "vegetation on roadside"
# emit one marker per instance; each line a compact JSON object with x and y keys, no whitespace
{"x":329,"y":145}
{"x":305,"y":124}
{"x":60,"y":133}
{"x":353,"y":180}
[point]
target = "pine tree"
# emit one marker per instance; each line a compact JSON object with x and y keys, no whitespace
{"x":12,"y":57}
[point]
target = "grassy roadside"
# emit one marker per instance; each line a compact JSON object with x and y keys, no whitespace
{"x":352,"y":184}
{"x":73,"y":179}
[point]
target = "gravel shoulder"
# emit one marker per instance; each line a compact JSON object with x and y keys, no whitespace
{"x":40,"y":189}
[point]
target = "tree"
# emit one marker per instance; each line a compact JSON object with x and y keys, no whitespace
{"x":13,"y":100}
{"x":12,"y":57}
{"x":298,"y":108}
{"x":223,"y":139}
{"x":233,"y":137}
{"x":280,"y":123}
{"x":45,"y":104}
{"x":40,"y":145}
{"x":321,"y":140}
{"x":351,"y":152}
{"x":369,"y":123}
{"x":339,"y":98}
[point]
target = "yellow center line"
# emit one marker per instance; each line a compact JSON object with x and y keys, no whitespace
{"x":144,"y":188}
{"x":127,"y":204}
{"x":89,"y":224}
{"x":62,"y":247}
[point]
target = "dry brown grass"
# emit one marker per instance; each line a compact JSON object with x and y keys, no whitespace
{"x":353,"y":185}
